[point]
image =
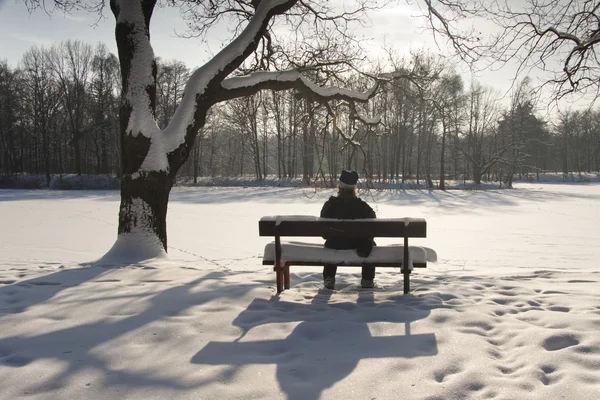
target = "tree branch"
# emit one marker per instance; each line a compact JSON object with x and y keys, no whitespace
{"x":205,"y":81}
{"x":251,"y":84}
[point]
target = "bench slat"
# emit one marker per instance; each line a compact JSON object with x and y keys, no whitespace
{"x":315,"y":226}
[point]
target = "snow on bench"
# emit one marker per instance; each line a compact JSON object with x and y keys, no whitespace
{"x":282,"y":255}
{"x":316,"y":254}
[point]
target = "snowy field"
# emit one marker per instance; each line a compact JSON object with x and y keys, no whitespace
{"x":510,"y":311}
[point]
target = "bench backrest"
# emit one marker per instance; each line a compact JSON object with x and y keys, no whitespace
{"x":289,"y":225}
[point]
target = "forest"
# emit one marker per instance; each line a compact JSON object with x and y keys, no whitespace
{"x":59,"y":115}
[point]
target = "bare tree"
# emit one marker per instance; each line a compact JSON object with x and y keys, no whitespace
{"x":170,"y":82}
{"x":151,"y":155}
{"x":276,"y":106}
{"x":557,"y":36}
{"x":72,"y":63}
{"x":477,"y":146}
{"x":11,"y":104}
{"x":42,"y":101}
{"x":448,"y":98}
{"x":577,"y":140}
{"x":103,"y":105}
{"x":243,"y":115}
{"x":519,"y":128}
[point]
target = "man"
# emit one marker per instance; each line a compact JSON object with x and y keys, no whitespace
{"x":347,"y":205}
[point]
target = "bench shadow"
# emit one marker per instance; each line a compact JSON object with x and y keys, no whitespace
{"x":329,"y":341}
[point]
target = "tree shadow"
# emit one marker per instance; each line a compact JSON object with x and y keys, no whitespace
{"x":450,"y":201}
{"x":328,"y":343}
{"x":460,"y":200}
{"x":447,"y":201}
{"x":74,"y":346}
{"x":241,"y":195}
{"x":21,"y":295}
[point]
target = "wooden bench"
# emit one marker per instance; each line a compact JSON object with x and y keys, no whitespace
{"x":282,"y":255}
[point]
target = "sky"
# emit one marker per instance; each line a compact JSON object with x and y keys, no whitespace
{"x":398,"y":27}
{"x":19,"y":30}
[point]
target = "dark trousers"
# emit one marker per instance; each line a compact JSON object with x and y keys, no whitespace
{"x":368,"y":272}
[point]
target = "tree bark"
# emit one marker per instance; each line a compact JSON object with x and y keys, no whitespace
{"x":144,"y":195}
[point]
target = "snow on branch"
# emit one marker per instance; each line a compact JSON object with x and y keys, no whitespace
{"x":197,"y":97}
{"x":292,"y":79}
{"x":355,"y":114}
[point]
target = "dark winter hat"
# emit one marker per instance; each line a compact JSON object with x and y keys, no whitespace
{"x":348,"y":179}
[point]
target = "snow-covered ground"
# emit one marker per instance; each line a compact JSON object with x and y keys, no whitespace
{"x":510,"y":311}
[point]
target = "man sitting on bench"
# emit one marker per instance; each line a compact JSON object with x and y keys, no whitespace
{"x":348,"y":206}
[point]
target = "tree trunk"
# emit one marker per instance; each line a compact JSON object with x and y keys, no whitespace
{"x":442,"y":154}
{"x":419,"y":145}
{"x":306,"y":144}
{"x":144,"y":194}
{"x":77,"y":153}
{"x":143,"y":207}
{"x":477,"y":173}
{"x":196,"y":161}
{"x":45,"y":147}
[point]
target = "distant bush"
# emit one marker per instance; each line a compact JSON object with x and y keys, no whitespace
{"x":22,"y":181}
{"x":85,"y":182}
{"x":58,"y":182}
{"x":240,"y":181}
{"x":554,"y":177}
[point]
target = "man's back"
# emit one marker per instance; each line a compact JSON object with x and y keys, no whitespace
{"x":348,"y":207}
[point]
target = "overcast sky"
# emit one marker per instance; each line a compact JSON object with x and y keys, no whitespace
{"x":19,"y":30}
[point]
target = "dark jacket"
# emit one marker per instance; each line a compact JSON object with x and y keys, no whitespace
{"x":348,"y":207}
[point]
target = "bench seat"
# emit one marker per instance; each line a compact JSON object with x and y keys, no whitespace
{"x":301,"y":253}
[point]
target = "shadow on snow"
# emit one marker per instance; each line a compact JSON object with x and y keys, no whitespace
{"x":75,"y":345}
{"x":448,"y":201}
{"x":316,"y":354}
{"x":328,"y":343}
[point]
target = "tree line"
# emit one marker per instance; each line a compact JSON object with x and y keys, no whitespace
{"x":59,"y":114}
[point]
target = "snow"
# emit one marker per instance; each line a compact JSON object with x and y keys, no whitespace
{"x":139,"y":244}
{"x":326,"y":92}
{"x":370,"y":120}
{"x":282,"y":218}
{"x":313,"y":218}
{"x":130,"y":248}
{"x":141,"y":119}
{"x":510,"y":311}
{"x":140,"y":76}
{"x":156,"y":158}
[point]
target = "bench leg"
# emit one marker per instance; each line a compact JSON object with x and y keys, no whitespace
{"x":278,"y":277}
{"x":286,"y":276}
{"x":406,"y":273}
